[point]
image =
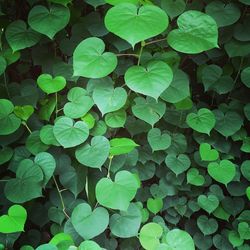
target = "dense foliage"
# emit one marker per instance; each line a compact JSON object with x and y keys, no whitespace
{"x":124,"y":124}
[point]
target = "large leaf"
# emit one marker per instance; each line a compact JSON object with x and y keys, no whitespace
{"x":135,"y":24}
{"x":48,"y":21}
{"x":19,"y":37}
{"x":150,"y":81}
{"x":197,"y":32}
{"x":70,"y":134}
{"x":90,"y":60}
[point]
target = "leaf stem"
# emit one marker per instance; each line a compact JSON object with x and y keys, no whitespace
{"x":156,"y":41}
{"x":135,"y":55}
{"x":56,"y":103}
{"x":5,"y":84}
{"x":110,"y":161}
{"x":140,"y":53}
{"x":61,"y":198}
{"x":26,"y":126}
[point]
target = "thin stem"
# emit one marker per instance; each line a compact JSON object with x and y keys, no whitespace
{"x":237,"y":76}
{"x":3,"y":180}
{"x":61,"y":198}
{"x":5,"y":85}
{"x":135,"y":55}
{"x":140,"y":53}
{"x":26,"y":126}
{"x":110,"y":161}
{"x":156,"y":41}
{"x":56,"y":104}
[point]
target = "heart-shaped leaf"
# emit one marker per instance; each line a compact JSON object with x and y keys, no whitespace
{"x":127,"y":223}
{"x":89,"y":223}
{"x":150,"y":81}
{"x":117,"y":194}
{"x":48,"y":165}
{"x":51,"y":85}
{"x":115,"y":2}
{"x":28,"y":183}
{"x":222,"y":172}
{"x":178,"y":88}
{"x":154,"y":205}
{"x":197,"y":32}
{"x":94,"y":155}
{"x":206,"y":225}
{"x":48,"y":21}
{"x":150,"y":235}
{"x":178,"y":164}
{"x":157,"y":140}
{"x":24,"y":112}
{"x":109,"y":99}
{"x":90,"y":60}
{"x":9,"y":123}
{"x":148,"y":110}
{"x":202,"y":122}
{"x":208,"y":203}
{"x":119,"y":146}
{"x":248,"y":193}
{"x":89,"y":244}
{"x":194,"y":178}
{"x":14,"y":221}
{"x":116,"y":119}
{"x":244,"y":230}
{"x":69,"y":134}
{"x":222,"y":121}
{"x":19,"y":37}
{"x":208,"y":154}
{"x":79,"y":105}
{"x":223,"y":14}
{"x":178,"y":239}
{"x":135,"y":24}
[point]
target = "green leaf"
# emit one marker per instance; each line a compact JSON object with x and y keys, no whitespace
{"x":109,"y":99}
{"x":48,"y":21}
{"x":5,"y":154}
{"x":151,"y":80}
{"x":206,"y":225}
{"x":116,"y":119}
{"x":223,"y":172}
{"x":89,"y":245}
{"x":235,"y":239}
{"x":27,"y":184}
{"x":14,"y":221}
{"x":208,"y":154}
{"x":79,"y":103}
{"x":127,"y":223}
{"x":3,"y":65}
{"x":173,"y":7}
{"x":148,"y":110}
{"x":178,"y":89}
{"x":47,"y":164}
{"x":223,"y":119}
{"x":19,"y":37}
{"x":150,"y":235}
{"x":154,"y":205}
{"x":244,"y":230}
{"x":203,"y":121}
{"x":197,"y":33}
{"x":178,"y":164}
{"x":135,"y":24}
{"x":90,"y":60}
{"x":89,"y":223}
{"x":23,"y":112}
{"x":208,"y":203}
{"x":223,"y":14}
{"x":51,"y":85}
{"x":115,"y":2}
{"x":194,"y":178}
{"x":245,"y":76}
{"x":94,"y":155}
{"x":157,"y":140}
{"x":119,"y":146}
{"x":177,"y":239}
{"x":117,"y":194}
{"x":248,"y":193}
{"x":70,"y":134}
{"x":9,"y":123}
